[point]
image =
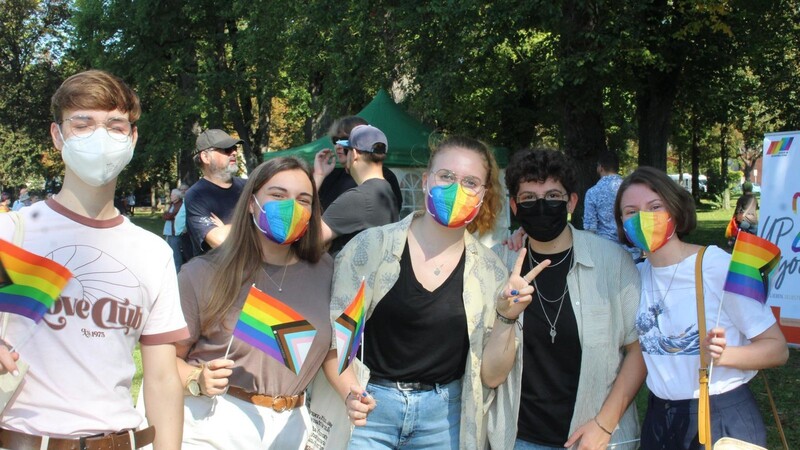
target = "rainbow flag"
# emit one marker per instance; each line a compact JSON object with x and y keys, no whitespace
{"x":752,"y":261}
{"x":30,"y":283}
{"x":732,"y":229}
{"x":453,"y":205}
{"x":781,"y":146}
{"x":349,"y":330}
{"x":273,"y":327}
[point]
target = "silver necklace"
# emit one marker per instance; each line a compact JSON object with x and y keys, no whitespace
{"x":279,"y":286}
{"x":438,"y":270}
{"x":669,"y":286}
{"x":543,"y":299}
{"x":569,"y":252}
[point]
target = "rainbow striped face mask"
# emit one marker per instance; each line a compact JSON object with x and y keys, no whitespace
{"x":649,"y":230}
{"x":282,"y":221}
{"x":451,"y":206}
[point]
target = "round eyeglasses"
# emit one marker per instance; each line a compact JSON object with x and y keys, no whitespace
{"x":473,"y":186}
{"x":83,"y":127}
{"x":553,"y":197}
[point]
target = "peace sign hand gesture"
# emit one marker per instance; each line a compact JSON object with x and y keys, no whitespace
{"x":518,"y":293}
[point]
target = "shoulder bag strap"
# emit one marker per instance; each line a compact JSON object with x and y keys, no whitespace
{"x":703,"y":407}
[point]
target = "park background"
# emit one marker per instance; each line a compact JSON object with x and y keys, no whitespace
{"x":688,"y":86}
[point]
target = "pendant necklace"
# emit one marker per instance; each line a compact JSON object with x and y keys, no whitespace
{"x":543,"y":299}
{"x":279,"y":286}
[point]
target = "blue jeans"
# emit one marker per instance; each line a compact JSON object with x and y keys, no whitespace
{"x":525,"y":445}
{"x":672,"y":424}
{"x":411,"y":419}
{"x":175,"y":244}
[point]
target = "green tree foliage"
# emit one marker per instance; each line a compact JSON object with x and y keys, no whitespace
{"x":586,"y":76}
{"x":31,"y":43}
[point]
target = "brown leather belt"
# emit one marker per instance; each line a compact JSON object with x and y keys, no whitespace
{"x":278,"y":403}
{"x":14,"y":440}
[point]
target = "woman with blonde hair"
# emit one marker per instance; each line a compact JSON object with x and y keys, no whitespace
{"x":431,"y":299}
{"x":244,"y":398}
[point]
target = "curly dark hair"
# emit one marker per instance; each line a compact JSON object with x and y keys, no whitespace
{"x":539,"y":164}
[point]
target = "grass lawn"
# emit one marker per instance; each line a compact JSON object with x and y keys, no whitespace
{"x":710,"y":231}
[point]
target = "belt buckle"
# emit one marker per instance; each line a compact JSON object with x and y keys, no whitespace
{"x":285,"y":403}
{"x":405,"y":387}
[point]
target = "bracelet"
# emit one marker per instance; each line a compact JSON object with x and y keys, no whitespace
{"x":504,"y":319}
{"x":601,"y":427}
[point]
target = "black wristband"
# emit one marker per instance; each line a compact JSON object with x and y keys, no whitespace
{"x":504,"y":319}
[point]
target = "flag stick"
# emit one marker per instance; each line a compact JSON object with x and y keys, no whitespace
{"x":227,"y":350}
{"x":16,"y":347}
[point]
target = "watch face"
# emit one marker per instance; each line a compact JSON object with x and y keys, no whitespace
{"x":194,"y":387}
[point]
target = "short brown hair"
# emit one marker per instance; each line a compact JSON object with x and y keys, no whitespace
{"x":678,"y":202}
{"x":492,"y":198}
{"x":343,"y":125}
{"x":95,"y":89}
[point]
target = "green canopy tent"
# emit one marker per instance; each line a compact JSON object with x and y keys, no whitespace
{"x":407,"y":156}
{"x":408,"y":137}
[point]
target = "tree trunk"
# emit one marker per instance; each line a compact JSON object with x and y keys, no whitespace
{"x":723,"y":169}
{"x":584,"y":141}
{"x":654,"y":106}
{"x":695,"y":160}
{"x":584,"y":130}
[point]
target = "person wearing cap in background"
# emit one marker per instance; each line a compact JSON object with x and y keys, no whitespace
{"x":210,"y":201}
{"x":372,"y":203}
{"x":334,"y":181}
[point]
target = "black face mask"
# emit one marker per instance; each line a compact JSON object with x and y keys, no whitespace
{"x":544,"y":220}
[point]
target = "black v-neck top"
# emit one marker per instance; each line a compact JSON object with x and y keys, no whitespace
{"x":416,"y":335}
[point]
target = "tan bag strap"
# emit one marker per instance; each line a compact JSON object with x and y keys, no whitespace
{"x":703,"y":406}
{"x":701,"y":309}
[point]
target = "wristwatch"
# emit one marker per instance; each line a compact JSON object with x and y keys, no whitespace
{"x":193,"y":383}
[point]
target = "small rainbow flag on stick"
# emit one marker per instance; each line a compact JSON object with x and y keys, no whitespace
{"x":349,"y":330}
{"x":752,"y":261}
{"x":273,"y":327}
{"x":30,"y":283}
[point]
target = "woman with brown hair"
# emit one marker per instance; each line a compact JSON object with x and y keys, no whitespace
{"x":248,"y":399}
{"x":655,"y":214}
{"x":431,"y":299}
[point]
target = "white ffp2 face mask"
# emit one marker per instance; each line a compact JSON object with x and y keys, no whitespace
{"x":97,"y":159}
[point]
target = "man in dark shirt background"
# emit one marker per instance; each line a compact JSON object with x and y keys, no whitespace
{"x":210,"y":202}
{"x":372,"y":203}
{"x":334,"y":181}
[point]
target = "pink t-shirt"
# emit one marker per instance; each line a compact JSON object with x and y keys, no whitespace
{"x":123,"y":291}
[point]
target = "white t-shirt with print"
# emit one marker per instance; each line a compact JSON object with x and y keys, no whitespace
{"x":123,"y":291}
{"x":667,"y":325}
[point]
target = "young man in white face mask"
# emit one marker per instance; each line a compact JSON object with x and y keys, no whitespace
{"x":123,"y":291}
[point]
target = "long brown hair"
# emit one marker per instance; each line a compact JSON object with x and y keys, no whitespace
{"x":492,"y":200}
{"x":238,"y":258}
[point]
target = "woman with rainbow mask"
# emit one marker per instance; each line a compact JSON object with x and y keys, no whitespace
{"x":237,"y":396}
{"x":655,"y":214}
{"x":432,"y":295}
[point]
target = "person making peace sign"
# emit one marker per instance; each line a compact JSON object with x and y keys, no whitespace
{"x":578,"y":364}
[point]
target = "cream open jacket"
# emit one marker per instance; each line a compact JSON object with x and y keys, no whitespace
{"x":375,"y":254}
{"x":604,"y":288}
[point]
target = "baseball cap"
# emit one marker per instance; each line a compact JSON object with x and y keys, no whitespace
{"x":215,"y":138}
{"x":366,"y":138}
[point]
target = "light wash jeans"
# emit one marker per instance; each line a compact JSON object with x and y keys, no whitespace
{"x":525,"y":445}
{"x":175,"y":244}
{"x":411,"y":419}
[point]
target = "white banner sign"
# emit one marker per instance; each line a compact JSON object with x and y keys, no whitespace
{"x":779,"y":222}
